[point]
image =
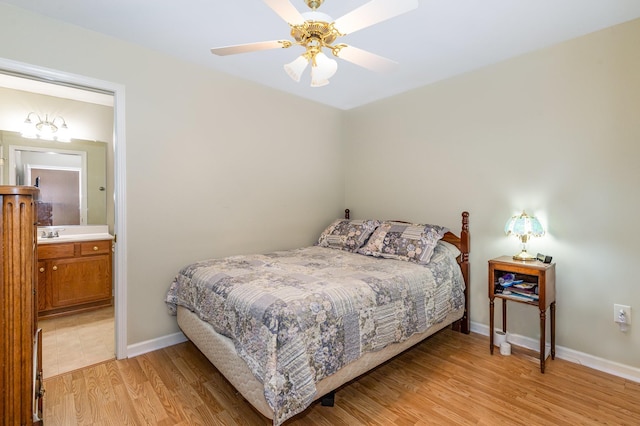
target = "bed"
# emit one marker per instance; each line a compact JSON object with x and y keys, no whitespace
{"x":289,"y":327}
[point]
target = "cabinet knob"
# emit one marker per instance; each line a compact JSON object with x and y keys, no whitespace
{"x":55,"y":268}
{"x":95,"y":248}
{"x":41,"y":269}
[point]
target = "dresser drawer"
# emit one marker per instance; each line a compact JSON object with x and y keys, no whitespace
{"x":95,"y":247}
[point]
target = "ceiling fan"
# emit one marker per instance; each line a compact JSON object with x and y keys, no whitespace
{"x":316,"y":30}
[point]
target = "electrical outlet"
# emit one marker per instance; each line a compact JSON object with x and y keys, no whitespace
{"x":627,"y":313}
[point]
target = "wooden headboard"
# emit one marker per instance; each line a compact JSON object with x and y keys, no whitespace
{"x":463,"y":242}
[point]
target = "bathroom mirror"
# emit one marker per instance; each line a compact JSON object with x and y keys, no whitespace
{"x":72,"y":177}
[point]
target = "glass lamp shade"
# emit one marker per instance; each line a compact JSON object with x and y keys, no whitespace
{"x":296,"y":68}
{"x":318,"y":83}
{"x":314,"y":15}
{"x":323,"y":69}
{"x":524,"y":227}
{"x":28,"y":129}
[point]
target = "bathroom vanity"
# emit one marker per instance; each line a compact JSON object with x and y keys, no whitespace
{"x":74,"y":270}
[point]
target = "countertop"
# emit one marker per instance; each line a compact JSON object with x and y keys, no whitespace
{"x":69,"y":234}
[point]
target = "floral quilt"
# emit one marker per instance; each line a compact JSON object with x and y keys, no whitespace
{"x":299,"y":316}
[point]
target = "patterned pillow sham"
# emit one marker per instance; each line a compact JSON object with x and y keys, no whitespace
{"x":404,"y":241}
{"x":347,"y":234}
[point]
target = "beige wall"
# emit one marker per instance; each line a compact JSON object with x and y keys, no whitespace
{"x":555,"y":132}
{"x":218,"y":166}
{"x":215,"y":165}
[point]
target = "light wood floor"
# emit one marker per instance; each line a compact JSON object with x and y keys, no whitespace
{"x":448,"y":379}
{"x":75,"y":341}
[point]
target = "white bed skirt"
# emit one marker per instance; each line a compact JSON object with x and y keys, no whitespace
{"x":222,"y":354}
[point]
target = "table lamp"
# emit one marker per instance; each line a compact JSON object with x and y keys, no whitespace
{"x":524,"y":226}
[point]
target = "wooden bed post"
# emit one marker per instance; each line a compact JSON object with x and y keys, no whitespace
{"x":464,"y":324}
{"x":346,"y":213}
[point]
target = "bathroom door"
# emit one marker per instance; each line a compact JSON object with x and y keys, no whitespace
{"x":60,"y":188}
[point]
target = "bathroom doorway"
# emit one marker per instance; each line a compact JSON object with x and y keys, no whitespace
{"x":93,"y":87}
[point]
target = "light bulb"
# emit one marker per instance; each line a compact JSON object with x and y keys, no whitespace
{"x":46,"y":131}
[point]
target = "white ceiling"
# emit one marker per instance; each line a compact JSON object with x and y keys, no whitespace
{"x":440,"y":39}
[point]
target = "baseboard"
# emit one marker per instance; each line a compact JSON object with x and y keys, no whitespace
{"x":601,"y":364}
{"x":155,"y":344}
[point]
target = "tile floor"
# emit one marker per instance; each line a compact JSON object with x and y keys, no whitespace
{"x":76,"y":341}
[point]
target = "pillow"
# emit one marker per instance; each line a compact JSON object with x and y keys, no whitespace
{"x":347,"y":234}
{"x":404,"y":241}
{"x":455,"y":251}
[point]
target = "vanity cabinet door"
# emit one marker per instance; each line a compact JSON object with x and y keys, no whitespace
{"x":80,"y":280}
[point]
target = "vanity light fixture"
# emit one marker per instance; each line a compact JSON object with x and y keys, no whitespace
{"x":524,"y":226}
{"x":51,"y":130}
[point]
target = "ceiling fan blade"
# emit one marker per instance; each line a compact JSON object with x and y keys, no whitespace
{"x":286,"y":10}
{"x":366,"y":59}
{"x":249,"y":47}
{"x":372,"y":13}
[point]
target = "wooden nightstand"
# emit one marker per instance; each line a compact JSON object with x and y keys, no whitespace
{"x":541,"y":278}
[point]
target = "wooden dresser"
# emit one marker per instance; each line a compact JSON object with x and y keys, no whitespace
{"x":21,"y":353}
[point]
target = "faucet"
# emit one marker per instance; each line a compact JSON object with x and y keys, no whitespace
{"x":51,"y":233}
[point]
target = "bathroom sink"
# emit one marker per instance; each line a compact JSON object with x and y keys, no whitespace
{"x":67,"y":234}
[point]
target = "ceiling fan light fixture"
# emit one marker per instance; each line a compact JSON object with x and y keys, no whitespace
{"x":315,"y":31}
{"x":296,"y":68}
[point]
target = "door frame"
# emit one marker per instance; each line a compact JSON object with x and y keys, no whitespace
{"x":119,"y":161}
